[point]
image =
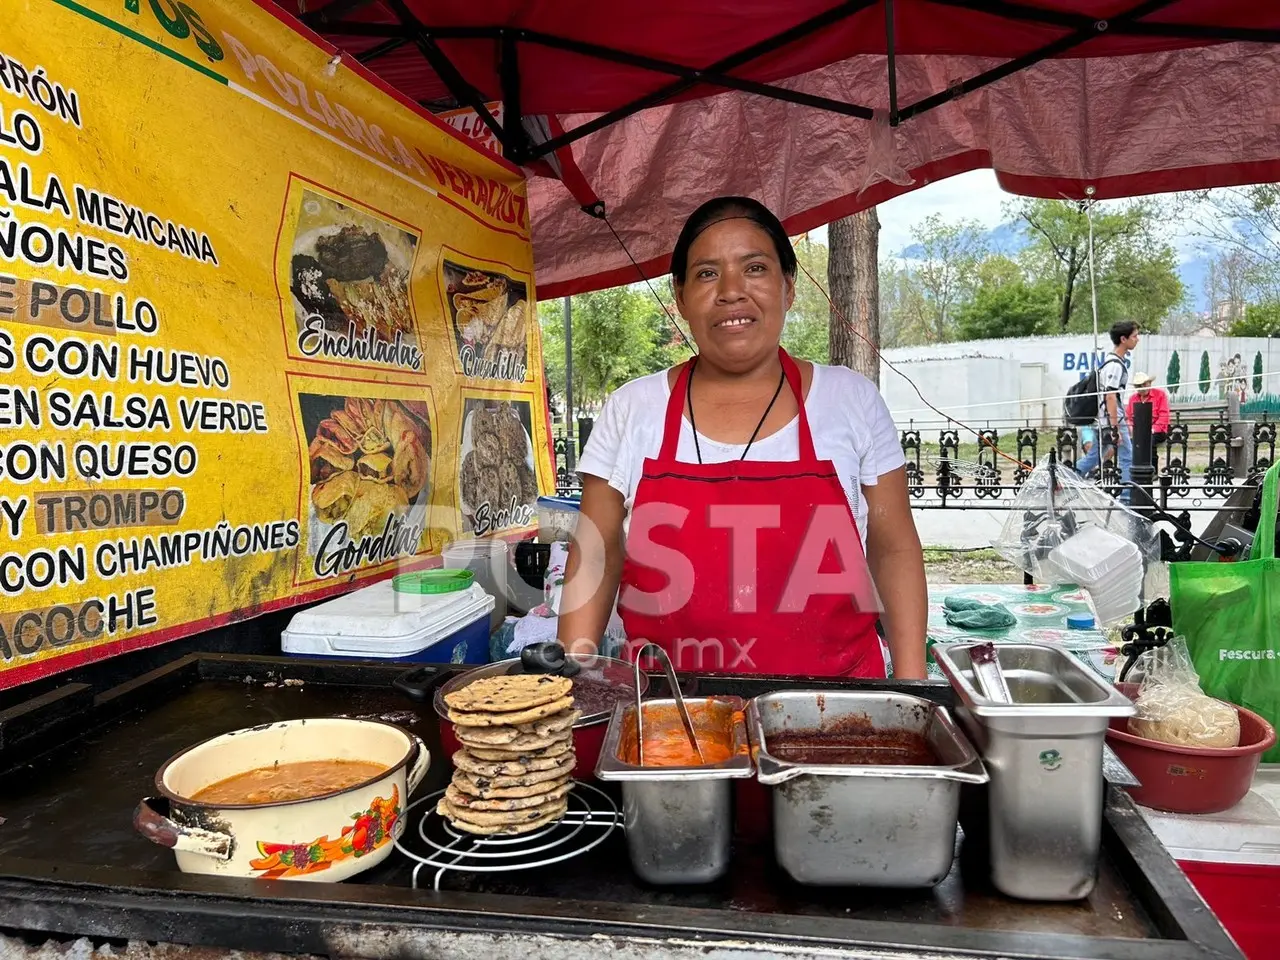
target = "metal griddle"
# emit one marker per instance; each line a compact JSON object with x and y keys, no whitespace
{"x":74,"y":763}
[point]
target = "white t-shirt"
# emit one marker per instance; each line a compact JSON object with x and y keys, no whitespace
{"x":848,"y":418}
{"x":1113,"y":377}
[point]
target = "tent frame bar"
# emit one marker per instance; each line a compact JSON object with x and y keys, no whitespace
{"x":1084,"y":34}
{"x":520,"y":149}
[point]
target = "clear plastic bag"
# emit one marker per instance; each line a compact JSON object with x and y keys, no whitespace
{"x":1173,"y":709}
{"x":1118,"y":546}
{"x":882,"y":161}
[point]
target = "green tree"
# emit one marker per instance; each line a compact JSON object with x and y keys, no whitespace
{"x":1206,"y":373}
{"x":805,"y":332}
{"x":1259,"y":320}
{"x":901,"y":312}
{"x":1011,"y":309}
{"x":1257,"y":372}
{"x":1135,"y":270}
{"x":942,"y":274}
{"x":618,"y":334}
{"x":1243,"y":224}
{"x":1173,"y":375}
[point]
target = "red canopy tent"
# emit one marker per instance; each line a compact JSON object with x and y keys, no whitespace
{"x":819,"y":109}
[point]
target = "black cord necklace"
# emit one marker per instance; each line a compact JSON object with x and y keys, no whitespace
{"x":688,"y":392}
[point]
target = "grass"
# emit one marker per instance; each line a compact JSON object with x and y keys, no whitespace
{"x":942,"y":565}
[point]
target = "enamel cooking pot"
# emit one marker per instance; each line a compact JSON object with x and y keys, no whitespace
{"x":598,"y":684}
{"x":328,"y":837}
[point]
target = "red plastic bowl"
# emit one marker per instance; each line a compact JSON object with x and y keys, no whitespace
{"x":1191,"y":779}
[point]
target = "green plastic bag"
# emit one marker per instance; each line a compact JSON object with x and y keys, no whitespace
{"x":1230,"y":616}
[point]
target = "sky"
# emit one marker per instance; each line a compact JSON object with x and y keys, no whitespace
{"x":976,"y":196}
{"x":969,"y":196}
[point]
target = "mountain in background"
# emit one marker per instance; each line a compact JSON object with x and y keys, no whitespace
{"x":1010,"y":238}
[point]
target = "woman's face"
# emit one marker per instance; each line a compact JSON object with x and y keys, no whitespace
{"x":734,"y":295}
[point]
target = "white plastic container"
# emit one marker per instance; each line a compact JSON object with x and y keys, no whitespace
{"x":557,"y":519}
{"x":378,"y":622}
{"x":1096,"y":555}
{"x":1247,"y":833}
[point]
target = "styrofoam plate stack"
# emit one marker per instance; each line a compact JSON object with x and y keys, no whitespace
{"x":1107,"y":566}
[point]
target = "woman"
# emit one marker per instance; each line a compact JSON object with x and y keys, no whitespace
{"x":753,"y":492}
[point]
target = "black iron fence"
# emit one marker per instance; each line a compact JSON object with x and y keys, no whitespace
{"x":1196,"y":459}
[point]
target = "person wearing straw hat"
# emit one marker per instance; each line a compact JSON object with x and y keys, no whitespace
{"x":1145,"y":392}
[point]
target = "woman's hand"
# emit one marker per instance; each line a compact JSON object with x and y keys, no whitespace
{"x":593,"y":568}
{"x":897,"y":566}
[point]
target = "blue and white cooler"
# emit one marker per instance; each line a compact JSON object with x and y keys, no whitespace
{"x":432,"y":616}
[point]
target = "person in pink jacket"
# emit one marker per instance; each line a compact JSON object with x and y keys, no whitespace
{"x":1144,"y":392}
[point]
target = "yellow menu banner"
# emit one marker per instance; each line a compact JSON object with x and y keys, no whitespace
{"x":266,"y":328}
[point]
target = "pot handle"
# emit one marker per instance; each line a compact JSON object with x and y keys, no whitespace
{"x":418,"y":769}
{"x":416,"y":683}
{"x":158,"y":828}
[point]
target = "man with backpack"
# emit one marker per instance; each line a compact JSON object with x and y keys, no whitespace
{"x":1100,"y":396}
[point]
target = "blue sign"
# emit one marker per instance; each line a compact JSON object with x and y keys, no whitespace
{"x":1082,"y":362}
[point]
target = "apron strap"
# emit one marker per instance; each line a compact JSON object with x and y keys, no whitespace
{"x":807,"y":452}
{"x":675,"y":413}
{"x":675,"y":410}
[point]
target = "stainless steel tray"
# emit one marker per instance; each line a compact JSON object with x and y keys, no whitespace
{"x":884,"y":826}
{"x":679,"y":820}
{"x":1044,"y":680}
{"x":1045,"y":754}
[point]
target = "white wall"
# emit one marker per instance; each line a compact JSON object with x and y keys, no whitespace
{"x":971,"y":388}
{"x":981,"y":380}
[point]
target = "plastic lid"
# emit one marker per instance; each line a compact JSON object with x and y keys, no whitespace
{"x":433,"y":581}
{"x":1079,"y":621}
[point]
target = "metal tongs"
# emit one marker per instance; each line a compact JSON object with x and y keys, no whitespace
{"x":675,"y":692}
{"x":991,"y":684}
{"x":987,"y":673}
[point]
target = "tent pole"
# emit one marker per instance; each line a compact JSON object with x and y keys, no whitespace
{"x":892,"y":62}
{"x":445,"y":69}
{"x":382,"y":49}
{"x":570,"y":454}
{"x":722,"y":66}
{"x":1061,"y":45}
{"x":332,"y":12}
{"x":459,"y":87}
{"x":516,"y":141}
{"x":1076,"y":21}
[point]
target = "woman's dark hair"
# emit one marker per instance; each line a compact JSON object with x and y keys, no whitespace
{"x":729,"y":208}
{"x":1121,"y":330}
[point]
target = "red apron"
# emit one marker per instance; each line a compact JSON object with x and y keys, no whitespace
{"x":748,"y":566}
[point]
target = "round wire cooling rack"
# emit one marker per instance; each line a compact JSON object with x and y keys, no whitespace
{"x":590,"y":818}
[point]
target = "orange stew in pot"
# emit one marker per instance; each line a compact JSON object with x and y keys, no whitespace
{"x":666,"y":744}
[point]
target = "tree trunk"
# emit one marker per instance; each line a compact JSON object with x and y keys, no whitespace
{"x":853,"y":277}
{"x":1072,"y":267}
